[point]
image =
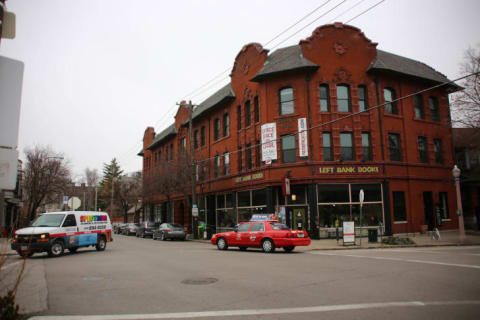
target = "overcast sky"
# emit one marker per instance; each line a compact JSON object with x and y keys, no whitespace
{"x":97,"y":73}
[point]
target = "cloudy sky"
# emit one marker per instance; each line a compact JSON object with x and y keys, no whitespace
{"x":97,"y":73}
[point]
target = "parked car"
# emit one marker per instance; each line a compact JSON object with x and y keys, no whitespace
{"x":267,"y":235}
{"x":117,"y":227}
{"x":169,"y":231}
{"x":130,"y":229}
{"x":146,"y":229}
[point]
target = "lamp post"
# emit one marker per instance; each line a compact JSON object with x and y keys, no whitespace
{"x":461,"y":228}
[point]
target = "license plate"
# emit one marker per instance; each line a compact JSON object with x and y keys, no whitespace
{"x":300,"y":235}
{"x":24,"y":247}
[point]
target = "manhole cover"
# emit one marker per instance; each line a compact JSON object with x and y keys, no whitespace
{"x":198,"y":281}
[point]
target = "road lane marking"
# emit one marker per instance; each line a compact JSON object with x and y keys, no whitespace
{"x":471,"y":266}
{"x":257,"y":312}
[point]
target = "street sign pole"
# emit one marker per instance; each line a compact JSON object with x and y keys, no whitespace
{"x":362,"y":197}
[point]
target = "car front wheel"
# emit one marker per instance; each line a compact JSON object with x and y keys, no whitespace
{"x":222,"y":244}
{"x":56,"y":249}
{"x":101,"y":244}
{"x":268,"y":246}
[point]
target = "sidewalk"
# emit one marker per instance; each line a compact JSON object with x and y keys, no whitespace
{"x":447,"y":238}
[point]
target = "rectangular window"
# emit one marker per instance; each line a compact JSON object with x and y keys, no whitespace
{"x":289,"y":150}
{"x":216,"y":129}
{"x":183,"y":144}
{"x":437,"y":149}
{"x":248,"y":114}
{"x":390,"y":104}
{"x":327,"y":146}
{"x":418,"y":105}
{"x":216,"y":168}
{"x":226,"y":125}
{"x":171,"y":151}
{"x":257,"y":154}
{"x":240,"y":167}
{"x":343,"y":98}
{"x":195,"y":139}
{"x":226,"y":163}
{"x":286,"y":101}
{"x":257,"y":109}
{"x":362,"y":98}
{"x":166,"y":153}
{"x":444,"y":205}
{"x":248,"y":152}
{"x":367,"y":149}
{"x":346,"y":144}
{"x":422,"y":149}
{"x":324,"y":98}
{"x":202,"y":136}
{"x":399,"y":209}
{"x":433,"y":103}
{"x":239,"y":117}
{"x":394,"y":147}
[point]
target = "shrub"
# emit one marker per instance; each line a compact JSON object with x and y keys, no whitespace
{"x":8,"y":308}
{"x":397,"y":241}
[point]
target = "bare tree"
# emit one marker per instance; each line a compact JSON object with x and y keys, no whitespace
{"x":466,"y":104}
{"x":91,"y":177}
{"x":129,"y":192}
{"x":46,"y":177}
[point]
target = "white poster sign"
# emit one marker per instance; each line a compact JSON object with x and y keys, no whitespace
{"x":302,"y":137}
{"x":269,"y":143}
{"x":348,"y":232}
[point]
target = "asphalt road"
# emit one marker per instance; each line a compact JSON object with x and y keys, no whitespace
{"x":174,"y":279}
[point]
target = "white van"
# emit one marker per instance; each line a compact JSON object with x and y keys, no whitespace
{"x":53,"y":232}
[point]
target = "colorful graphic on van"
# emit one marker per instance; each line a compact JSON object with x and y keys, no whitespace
{"x":93,"y":219}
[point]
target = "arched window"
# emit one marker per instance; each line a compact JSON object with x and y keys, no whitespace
{"x":343,"y":98}
{"x":286,"y":101}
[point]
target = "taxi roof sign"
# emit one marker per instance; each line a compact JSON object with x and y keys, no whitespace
{"x":263,"y":217}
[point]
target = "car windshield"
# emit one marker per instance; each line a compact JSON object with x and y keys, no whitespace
{"x":48,"y":220}
{"x":279,"y":226}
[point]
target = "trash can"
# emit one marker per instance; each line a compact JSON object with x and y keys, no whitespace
{"x":372,"y":235}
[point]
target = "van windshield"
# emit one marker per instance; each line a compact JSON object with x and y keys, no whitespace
{"x":48,"y":220}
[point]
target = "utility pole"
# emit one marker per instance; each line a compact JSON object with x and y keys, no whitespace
{"x":194,"y":178}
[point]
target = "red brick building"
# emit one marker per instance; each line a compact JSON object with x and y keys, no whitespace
{"x":401,"y":154}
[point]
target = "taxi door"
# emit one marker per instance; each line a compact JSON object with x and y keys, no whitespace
{"x":240,"y":237}
{"x":256,"y":234}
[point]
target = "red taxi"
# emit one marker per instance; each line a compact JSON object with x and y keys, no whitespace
{"x":267,"y":235}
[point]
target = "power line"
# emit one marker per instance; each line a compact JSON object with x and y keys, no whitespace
{"x":353,"y":114}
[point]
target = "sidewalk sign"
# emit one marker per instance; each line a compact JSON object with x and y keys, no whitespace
{"x":348,"y":232}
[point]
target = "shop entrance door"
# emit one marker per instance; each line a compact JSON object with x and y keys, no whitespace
{"x":428,"y":207}
{"x":299,"y":219}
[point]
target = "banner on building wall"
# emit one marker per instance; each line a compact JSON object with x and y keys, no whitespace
{"x":269,"y":143}
{"x":302,"y":137}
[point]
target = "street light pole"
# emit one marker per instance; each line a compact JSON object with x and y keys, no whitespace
{"x":461,"y":227}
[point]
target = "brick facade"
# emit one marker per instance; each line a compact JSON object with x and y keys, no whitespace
{"x":335,"y":55}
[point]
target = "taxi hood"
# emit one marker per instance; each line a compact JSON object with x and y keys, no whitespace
{"x":35,"y":230}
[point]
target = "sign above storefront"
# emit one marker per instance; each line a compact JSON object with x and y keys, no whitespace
{"x":349,"y":170}
{"x":269,"y":142}
{"x":250,"y":177}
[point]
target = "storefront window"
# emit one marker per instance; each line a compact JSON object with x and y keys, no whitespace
{"x":221,"y":201}
{"x":244,"y":214}
{"x":333,"y":193}
{"x":243,"y":199}
{"x":226,"y":220}
{"x":229,"y":200}
{"x":371,"y":214}
{"x":372,"y":192}
{"x":259,"y":197}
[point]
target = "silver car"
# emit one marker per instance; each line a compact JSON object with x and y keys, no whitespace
{"x":169,"y":231}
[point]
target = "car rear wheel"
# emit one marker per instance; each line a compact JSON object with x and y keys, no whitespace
{"x":268,"y":246}
{"x":56,"y":250}
{"x":101,"y":244}
{"x":288,"y":249}
{"x":222,"y":244}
